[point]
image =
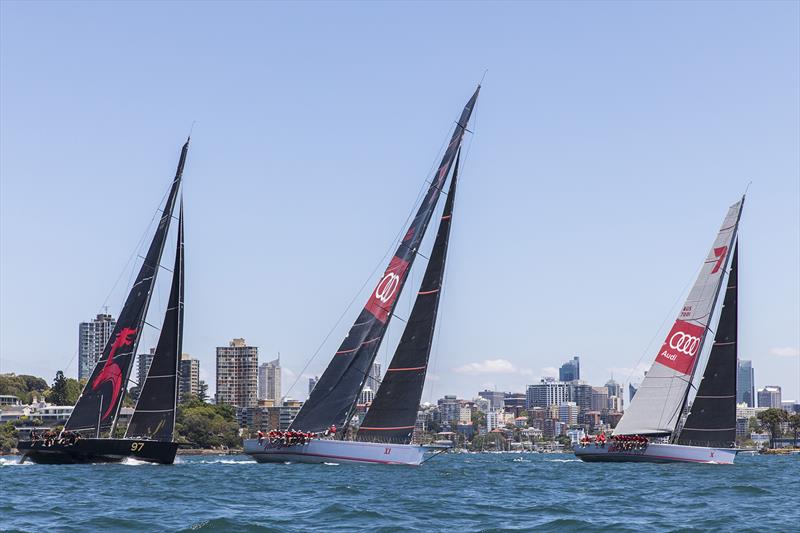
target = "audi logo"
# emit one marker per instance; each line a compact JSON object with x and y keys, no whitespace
{"x":385,"y":289}
{"x":684,"y":343}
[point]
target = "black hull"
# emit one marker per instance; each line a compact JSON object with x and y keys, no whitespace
{"x":99,"y":451}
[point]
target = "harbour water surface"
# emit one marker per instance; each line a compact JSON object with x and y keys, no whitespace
{"x":456,"y":492}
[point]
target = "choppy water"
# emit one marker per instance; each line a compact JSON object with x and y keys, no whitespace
{"x":480,"y":492}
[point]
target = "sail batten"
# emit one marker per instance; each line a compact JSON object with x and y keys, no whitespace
{"x":659,"y":401}
{"x":333,"y":399}
{"x":101,"y":399}
{"x":392,"y":416}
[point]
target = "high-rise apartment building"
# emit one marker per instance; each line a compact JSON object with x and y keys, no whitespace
{"x":599,"y":398}
{"x":548,"y":392}
{"x":496,"y":398}
{"x":568,"y":413}
{"x":745,"y":383}
{"x":374,"y":378}
{"x":769,"y":396}
{"x":269,"y":380}
{"x":92,"y":339}
{"x":189,"y":379}
{"x":143,"y":366}
{"x":312,"y":382}
{"x":237,"y":374}
{"x":571,"y":370}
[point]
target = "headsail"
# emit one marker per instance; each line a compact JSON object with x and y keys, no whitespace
{"x":333,"y":398}
{"x":101,"y":399}
{"x":661,"y":397}
{"x":712,"y":419}
{"x":154,"y":416}
{"x":393,"y":413}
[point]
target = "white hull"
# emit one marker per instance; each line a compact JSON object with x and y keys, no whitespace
{"x":657,"y":453}
{"x":336,"y":451}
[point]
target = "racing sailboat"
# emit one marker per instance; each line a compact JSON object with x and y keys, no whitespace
{"x":656,"y":427}
{"x":385,"y":434}
{"x":88,"y":434}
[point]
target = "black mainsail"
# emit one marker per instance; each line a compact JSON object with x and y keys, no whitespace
{"x":333,"y":399}
{"x":99,"y":404}
{"x":393,"y":413}
{"x":712,"y":419}
{"x":154,"y":416}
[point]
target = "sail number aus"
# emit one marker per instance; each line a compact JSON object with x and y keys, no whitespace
{"x":137,"y":446}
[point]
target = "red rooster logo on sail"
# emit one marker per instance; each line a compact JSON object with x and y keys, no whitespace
{"x":111,"y":371}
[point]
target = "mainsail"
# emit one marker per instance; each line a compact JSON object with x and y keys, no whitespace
{"x":333,"y":398}
{"x":154,"y":416}
{"x":101,"y":399}
{"x":712,"y":418}
{"x":393,"y":413}
{"x":661,"y":397}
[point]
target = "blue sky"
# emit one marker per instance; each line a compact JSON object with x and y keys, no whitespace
{"x":610,"y":138}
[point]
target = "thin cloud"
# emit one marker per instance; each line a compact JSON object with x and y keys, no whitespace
{"x":491,"y":366}
{"x":549,"y":372}
{"x":785,"y":351}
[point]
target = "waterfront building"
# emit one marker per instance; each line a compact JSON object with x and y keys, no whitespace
{"x":496,"y":398}
{"x":743,"y":411}
{"x":492,"y":421}
{"x":575,"y":435}
{"x":465,"y":412}
{"x":92,"y":339}
{"x":614,"y":388}
{"x":269,"y":380}
{"x":769,"y":396}
{"x":742,"y":426}
{"x":8,"y":399}
{"x":143,"y":366}
{"x":374,"y":378}
{"x":570,"y":371}
{"x":237,"y":374}
{"x":366,"y":397}
{"x":745,"y":383}
{"x":547,"y":392}
{"x":582,"y":395}
{"x":599,"y":398}
{"x":553,"y":428}
{"x":189,"y":377}
{"x":568,"y":413}
{"x":448,"y":408}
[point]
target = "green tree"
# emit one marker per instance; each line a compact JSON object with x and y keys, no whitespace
{"x":203,"y":395}
{"x":207,"y":426}
{"x":23,"y":386}
{"x":771,"y":420}
{"x":58,"y":392}
{"x":794,"y":424}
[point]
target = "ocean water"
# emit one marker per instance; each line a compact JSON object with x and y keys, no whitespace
{"x":453,"y":492}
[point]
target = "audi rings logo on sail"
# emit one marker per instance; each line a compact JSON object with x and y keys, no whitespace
{"x":684,"y":343}
{"x":387,"y":287}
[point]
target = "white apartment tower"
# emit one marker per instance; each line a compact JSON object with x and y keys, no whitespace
{"x":269,"y":380}
{"x":92,"y":339}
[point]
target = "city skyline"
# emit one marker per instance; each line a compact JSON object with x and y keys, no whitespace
{"x":588,"y":165}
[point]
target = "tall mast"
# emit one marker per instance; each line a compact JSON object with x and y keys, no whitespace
{"x":154,"y":416}
{"x":659,"y":402}
{"x":105,"y":389}
{"x":333,"y":399}
{"x":393,"y":413}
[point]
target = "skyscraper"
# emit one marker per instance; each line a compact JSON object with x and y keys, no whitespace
{"x":189,"y":381}
{"x":570,"y":371}
{"x":92,"y":339}
{"x":374,"y":378}
{"x":548,"y":392}
{"x":745,"y":383}
{"x":312,"y":382}
{"x":769,"y":396}
{"x":237,"y":374}
{"x":144,"y":362}
{"x":269,"y":380}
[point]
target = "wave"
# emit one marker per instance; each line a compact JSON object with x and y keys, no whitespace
{"x":562,"y":460}
{"x":12,"y":461}
{"x":223,"y":462}
{"x":331,"y":464}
